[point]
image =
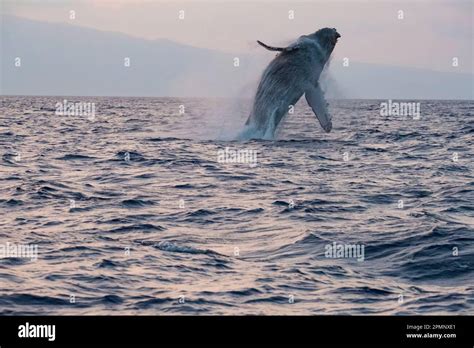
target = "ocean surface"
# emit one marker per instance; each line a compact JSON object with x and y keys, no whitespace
{"x":132,"y":212}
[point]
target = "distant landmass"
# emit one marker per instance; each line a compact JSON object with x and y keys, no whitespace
{"x":63,"y":59}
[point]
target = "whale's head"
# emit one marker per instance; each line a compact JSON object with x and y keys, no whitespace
{"x":327,"y":39}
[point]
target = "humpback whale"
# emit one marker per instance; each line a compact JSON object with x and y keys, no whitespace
{"x":293,"y":72}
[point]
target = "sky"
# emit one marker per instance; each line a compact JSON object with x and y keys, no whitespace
{"x":388,"y":49}
{"x":429,"y":36}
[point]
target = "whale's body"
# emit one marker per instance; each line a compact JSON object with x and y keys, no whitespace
{"x":294,"y":72}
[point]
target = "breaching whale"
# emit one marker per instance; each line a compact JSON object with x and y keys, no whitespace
{"x":293,"y":72}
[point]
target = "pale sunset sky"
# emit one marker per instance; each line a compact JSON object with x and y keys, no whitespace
{"x":428,"y":36}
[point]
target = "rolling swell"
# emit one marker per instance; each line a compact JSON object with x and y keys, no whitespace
{"x":139,"y":212}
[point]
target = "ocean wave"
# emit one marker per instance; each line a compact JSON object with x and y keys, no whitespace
{"x":243,"y":239}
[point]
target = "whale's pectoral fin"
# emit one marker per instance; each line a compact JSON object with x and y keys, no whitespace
{"x":280,"y":49}
{"x":270,"y":48}
{"x":315,"y":98}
